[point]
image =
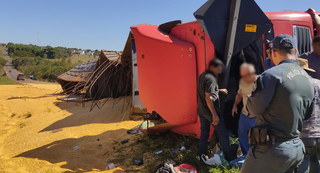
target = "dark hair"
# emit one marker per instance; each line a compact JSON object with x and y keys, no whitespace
{"x":215,"y":63}
{"x":316,"y":39}
{"x":284,"y":52}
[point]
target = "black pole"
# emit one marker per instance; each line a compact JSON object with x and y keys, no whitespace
{"x":232,"y":30}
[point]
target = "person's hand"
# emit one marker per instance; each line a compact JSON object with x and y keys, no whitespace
{"x":224,"y":91}
{"x":215,"y":120}
{"x":234,"y":110}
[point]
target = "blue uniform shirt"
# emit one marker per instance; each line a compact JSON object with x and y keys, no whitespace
{"x":267,"y":63}
{"x":282,"y":98}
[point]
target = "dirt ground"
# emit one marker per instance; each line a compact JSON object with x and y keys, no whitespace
{"x":31,"y":139}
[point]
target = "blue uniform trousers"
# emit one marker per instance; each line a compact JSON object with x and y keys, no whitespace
{"x":312,"y":156}
{"x":281,"y":157}
{"x":245,"y":123}
{"x":223,"y":136}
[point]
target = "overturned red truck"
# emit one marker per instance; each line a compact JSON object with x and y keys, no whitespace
{"x":169,"y":57}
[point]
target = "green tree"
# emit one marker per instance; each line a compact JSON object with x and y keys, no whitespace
{"x":2,"y":62}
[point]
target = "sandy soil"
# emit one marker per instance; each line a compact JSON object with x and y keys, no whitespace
{"x":27,"y":141}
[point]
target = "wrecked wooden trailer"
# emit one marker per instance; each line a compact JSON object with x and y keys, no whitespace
{"x":109,"y":76}
{"x":113,"y":75}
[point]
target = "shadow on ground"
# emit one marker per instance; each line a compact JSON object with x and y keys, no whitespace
{"x":93,"y":155}
{"x":80,"y":115}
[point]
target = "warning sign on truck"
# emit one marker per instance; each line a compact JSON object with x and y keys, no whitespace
{"x":251,"y":28}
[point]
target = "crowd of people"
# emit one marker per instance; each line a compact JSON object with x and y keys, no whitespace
{"x":279,"y":125}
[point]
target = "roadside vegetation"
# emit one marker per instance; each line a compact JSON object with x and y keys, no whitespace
{"x":44,"y":63}
{"x":42,"y":69}
{"x":2,"y":62}
{"x":4,"y":80}
{"x":1,"y":55}
{"x":144,"y":148}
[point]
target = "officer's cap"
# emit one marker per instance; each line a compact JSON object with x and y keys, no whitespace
{"x":283,"y":41}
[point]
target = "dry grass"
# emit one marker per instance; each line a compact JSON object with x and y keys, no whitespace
{"x":79,"y":59}
{"x":83,"y":58}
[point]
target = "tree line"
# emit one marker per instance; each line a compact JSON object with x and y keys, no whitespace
{"x":44,"y":63}
{"x":47,"y":52}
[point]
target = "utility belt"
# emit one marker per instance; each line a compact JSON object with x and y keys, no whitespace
{"x":261,"y":136}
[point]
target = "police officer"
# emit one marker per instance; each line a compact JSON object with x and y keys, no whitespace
{"x":282,"y":98}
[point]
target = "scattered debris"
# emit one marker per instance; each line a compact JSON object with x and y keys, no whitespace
{"x":224,"y":162}
{"x":182,"y":148}
{"x":76,"y":147}
{"x":175,"y":151}
{"x":124,"y":141}
{"x":138,"y":162}
{"x":185,"y":168}
{"x":22,"y":125}
{"x":170,"y":168}
{"x":137,"y":129}
{"x":111,"y":166}
{"x":56,"y":130}
{"x":165,"y":168}
{"x":28,"y":115}
{"x":70,"y":98}
{"x":24,"y":98}
{"x":215,"y":160}
{"x":98,"y":139}
{"x":13,"y":115}
{"x":145,"y":148}
{"x":159,"y":152}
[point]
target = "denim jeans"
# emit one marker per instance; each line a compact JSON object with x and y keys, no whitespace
{"x":223,"y":136}
{"x":312,"y":156}
{"x":281,"y":157}
{"x":245,"y":123}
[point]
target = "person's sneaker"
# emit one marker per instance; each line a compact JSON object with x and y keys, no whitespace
{"x":215,"y":160}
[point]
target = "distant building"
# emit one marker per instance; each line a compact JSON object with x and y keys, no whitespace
{"x":90,"y":53}
{"x":80,"y":52}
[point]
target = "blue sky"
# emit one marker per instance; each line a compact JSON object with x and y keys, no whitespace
{"x":101,"y":24}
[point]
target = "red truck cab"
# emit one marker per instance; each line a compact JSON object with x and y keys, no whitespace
{"x":170,"y":61}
